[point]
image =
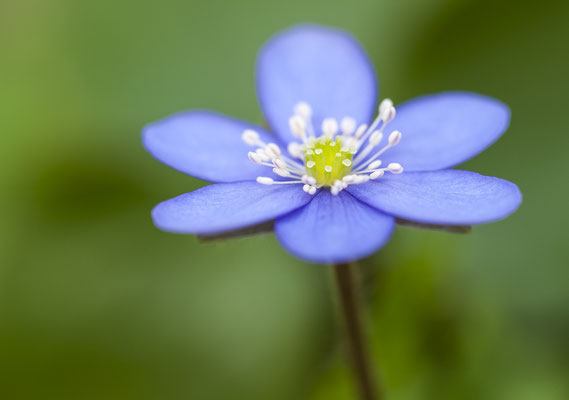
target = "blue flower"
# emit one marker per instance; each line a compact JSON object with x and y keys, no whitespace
{"x":333,"y":185}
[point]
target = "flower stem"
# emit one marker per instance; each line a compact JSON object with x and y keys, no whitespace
{"x":351,"y":310}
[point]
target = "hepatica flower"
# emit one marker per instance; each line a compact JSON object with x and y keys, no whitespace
{"x":333,"y":176}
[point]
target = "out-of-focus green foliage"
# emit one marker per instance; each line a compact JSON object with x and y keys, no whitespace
{"x":95,"y":303}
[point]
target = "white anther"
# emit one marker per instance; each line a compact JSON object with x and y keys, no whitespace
{"x":306,"y":188}
{"x":376,"y":174}
{"x":318,"y":151}
{"x":395,"y":168}
{"x":394,"y":138}
{"x":294,"y":149}
{"x":374,"y":165}
{"x":310,"y":164}
{"x":375,"y":138}
{"x":361,"y":179}
{"x":303,"y":109}
{"x":312,"y":190}
{"x":309,"y":180}
{"x":348,"y":125}
{"x":327,"y":168}
{"x":282,"y":172}
{"x":250,"y":137}
{"x":279,"y":163}
{"x":348,"y":143}
{"x":388,"y":115}
{"x":273,"y":150}
{"x":385,"y":105}
{"x":265,"y":180}
{"x":329,"y":126}
{"x":347,"y":162}
{"x":297,"y":126}
{"x":263,"y":154}
{"x":255,"y":157}
{"x":335,"y":190}
{"x":348,"y":179}
{"x":360,"y":131}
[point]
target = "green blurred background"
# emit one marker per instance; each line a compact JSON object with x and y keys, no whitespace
{"x":95,"y":303}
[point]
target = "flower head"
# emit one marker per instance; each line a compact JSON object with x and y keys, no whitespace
{"x":333,"y":177}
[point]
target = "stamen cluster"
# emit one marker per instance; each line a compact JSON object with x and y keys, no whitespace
{"x":342,"y":155}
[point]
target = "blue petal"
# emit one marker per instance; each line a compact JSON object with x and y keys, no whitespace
{"x":446,"y":129}
{"x":324,"y":67}
{"x":225,"y":207}
{"x":334,"y":229}
{"x":449,"y":197}
{"x":204,"y":144}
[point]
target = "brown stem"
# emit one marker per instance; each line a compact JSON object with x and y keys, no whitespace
{"x":350,"y":305}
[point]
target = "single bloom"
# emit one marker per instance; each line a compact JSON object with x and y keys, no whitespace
{"x":332,"y":177}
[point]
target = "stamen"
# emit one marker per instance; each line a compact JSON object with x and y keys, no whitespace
{"x":348,"y":179}
{"x":264,"y":180}
{"x":329,"y":127}
{"x":374,"y":164}
{"x":303,"y":109}
{"x":375,"y":138}
{"x":395,"y":168}
{"x":330,"y":160}
{"x":309,"y":180}
{"x":255,"y":157}
{"x":385,"y":105}
{"x":388,"y":115}
{"x":281,"y":172}
{"x":348,"y":126}
{"x":295,"y":150}
{"x":250,"y":137}
{"x":263,"y":154}
{"x":279,"y":163}
{"x":373,"y":142}
{"x":394,"y":138}
{"x":298,"y":127}
{"x":273,"y":150}
{"x":360,"y":131}
{"x":376,"y":174}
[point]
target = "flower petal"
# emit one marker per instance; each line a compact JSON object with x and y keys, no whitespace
{"x":449,"y":197}
{"x":334,"y":229}
{"x":225,"y":207}
{"x":204,"y":144}
{"x":446,"y":129}
{"x":325,"y":67}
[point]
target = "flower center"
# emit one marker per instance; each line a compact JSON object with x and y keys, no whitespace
{"x":341,"y":156}
{"x":326,"y":160}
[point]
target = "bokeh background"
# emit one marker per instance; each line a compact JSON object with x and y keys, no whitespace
{"x":95,"y":303}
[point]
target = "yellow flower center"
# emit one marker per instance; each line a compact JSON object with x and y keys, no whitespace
{"x":326,"y":160}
